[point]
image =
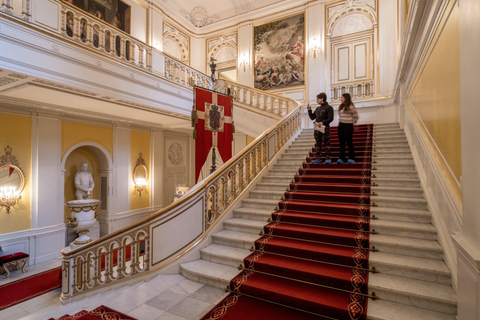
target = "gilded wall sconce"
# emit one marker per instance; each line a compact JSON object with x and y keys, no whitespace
{"x":140,"y":175}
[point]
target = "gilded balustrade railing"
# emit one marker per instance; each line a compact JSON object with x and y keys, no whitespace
{"x":356,"y":90}
{"x":18,"y":9}
{"x":259,"y":99}
{"x":167,"y":235}
{"x":95,"y":34}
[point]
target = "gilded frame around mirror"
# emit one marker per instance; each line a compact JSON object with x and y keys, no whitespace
{"x":8,"y":196}
{"x":139,"y":179}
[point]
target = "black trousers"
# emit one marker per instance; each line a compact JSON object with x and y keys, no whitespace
{"x":322,"y":137}
{"x":345,"y":135}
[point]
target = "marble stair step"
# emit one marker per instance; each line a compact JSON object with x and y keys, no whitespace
{"x":397,"y":192}
{"x":294,"y":156}
{"x":392,"y":144}
{"x":253,"y":214}
{"x":395,"y":182}
{"x":267,"y":194}
{"x":416,"y":293}
{"x":212,"y":274}
{"x":398,"y":202}
{"x":377,"y":140}
{"x":387,"y":310}
{"x":431,"y":270}
{"x":388,"y":130}
{"x":282,"y":172}
{"x":278,"y":179}
{"x":291,"y":162}
{"x":380,"y":150}
{"x":394,"y":174}
{"x":271,"y":186}
{"x":286,"y":167}
{"x":244,"y":225}
{"x":421,"y":248}
{"x":392,"y":135}
{"x":392,"y":154}
{"x":401,"y":214}
{"x":393,"y":167}
{"x":404,"y":229}
{"x":226,"y":255}
{"x":235,"y":239}
{"x":392,"y":161}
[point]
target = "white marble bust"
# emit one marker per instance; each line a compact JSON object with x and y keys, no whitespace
{"x":83,"y":183}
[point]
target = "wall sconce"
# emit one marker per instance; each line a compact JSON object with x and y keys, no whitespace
{"x":140,"y":175}
{"x":315,"y":48}
{"x":244,"y":62}
{"x":12,"y":180}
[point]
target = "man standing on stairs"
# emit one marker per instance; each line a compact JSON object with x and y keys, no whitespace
{"x":322,"y":115}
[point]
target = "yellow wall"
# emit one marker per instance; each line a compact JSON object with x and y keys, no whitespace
{"x":16,"y":131}
{"x":140,"y":142}
{"x":436,"y":94}
{"x":74,"y":133}
{"x":250,"y":139}
{"x":72,"y":166}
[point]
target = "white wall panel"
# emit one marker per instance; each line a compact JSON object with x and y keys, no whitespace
{"x":47,"y":13}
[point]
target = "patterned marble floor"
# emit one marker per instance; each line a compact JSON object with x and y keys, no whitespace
{"x":167,"y":297}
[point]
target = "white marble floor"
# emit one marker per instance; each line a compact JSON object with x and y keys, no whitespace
{"x":167,"y":297}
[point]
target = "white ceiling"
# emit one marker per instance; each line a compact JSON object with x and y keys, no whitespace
{"x":206,"y":12}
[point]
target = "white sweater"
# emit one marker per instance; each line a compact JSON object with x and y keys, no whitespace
{"x":350,"y":116}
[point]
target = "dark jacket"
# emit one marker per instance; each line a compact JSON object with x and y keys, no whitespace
{"x":322,"y":113}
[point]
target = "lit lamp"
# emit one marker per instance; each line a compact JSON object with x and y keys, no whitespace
{"x":243,"y":62}
{"x":315,"y":48}
{"x":12,"y":180}
{"x":9,"y":197}
{"x":140,"y":174}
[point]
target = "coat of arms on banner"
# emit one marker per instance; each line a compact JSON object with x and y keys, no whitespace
{"x":214,"y":117}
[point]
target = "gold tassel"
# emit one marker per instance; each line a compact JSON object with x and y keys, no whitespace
{"x":194,"y":117}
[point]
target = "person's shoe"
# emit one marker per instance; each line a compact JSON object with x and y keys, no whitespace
{"x":351,"y":161}
{"x":340,"y":161}
{"x":328,"y":161}
{"x":316,"y":161}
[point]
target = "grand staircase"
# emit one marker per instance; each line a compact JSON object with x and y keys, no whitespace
{"x":409,"y":278}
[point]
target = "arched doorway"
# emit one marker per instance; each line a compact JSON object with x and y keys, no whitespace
{"x":100,"y":165}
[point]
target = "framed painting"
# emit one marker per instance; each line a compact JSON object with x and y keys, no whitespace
{"x":279,"y":53}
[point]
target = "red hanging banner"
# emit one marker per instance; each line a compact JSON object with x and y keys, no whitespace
{"x":212,"y":119}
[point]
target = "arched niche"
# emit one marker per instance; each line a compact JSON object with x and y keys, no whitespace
{"x":100,"y":164}
{"x":174,"y":47}
{"x":350,"y":24}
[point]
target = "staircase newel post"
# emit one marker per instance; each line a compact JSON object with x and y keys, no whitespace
{"x":67,"y":279}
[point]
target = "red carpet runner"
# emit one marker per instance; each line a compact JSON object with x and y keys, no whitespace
{"x":102,"y":312}
{"x":27,"y":288}
{"x":312,"y":261}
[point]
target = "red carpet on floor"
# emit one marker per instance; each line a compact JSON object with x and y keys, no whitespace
{"x":312,"y":260}
{"x":27,"y":288}
{"x":102,"y":312}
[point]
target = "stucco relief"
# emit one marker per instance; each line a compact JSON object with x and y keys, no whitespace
{"x":175,"y":153}
{"x":199,"y":16}
{"x":175,"y":43}
{"x":352,"y":23}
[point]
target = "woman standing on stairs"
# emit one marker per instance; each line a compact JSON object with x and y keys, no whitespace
{"x":348,"y":116}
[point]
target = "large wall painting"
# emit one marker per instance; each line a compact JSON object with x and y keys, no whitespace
{"x":279,"y":53}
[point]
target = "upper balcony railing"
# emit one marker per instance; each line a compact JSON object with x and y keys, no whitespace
{"x":167,"y":235}
{"x":90,"y":32}
{"x":358,"y":90}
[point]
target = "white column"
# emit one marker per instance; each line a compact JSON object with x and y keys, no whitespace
{"x":245,"y":47}
{"x":315,"y":72}
{"x":122,"y":184}
{"x":47,"y":190}
{"x":468,"y":241}
{"x":387,"y":40}
{"x":157,"y":175}
{"x":156,"y":29}
{"x":197,"y":55}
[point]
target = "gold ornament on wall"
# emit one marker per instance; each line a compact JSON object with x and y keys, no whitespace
{"x":12,"y":180}
{"x":140,"y":175}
